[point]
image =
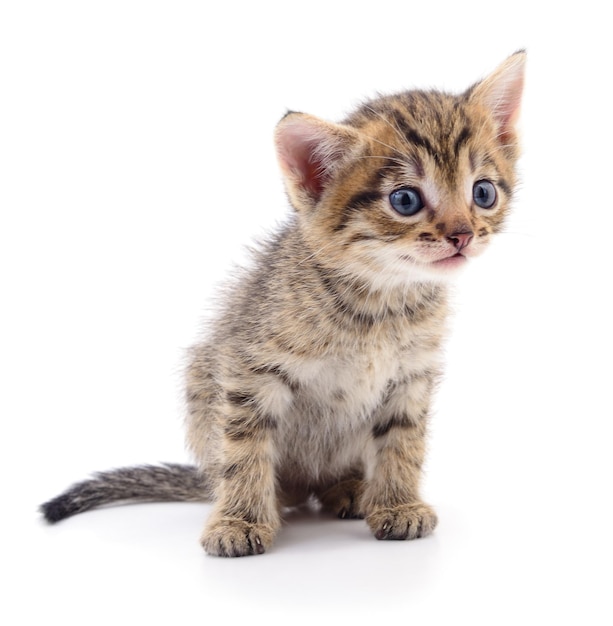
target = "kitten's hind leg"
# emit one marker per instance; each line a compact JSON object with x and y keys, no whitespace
{"x":343,"y":498}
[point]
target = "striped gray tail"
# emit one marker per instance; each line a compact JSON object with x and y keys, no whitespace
{"x":144,"y":483}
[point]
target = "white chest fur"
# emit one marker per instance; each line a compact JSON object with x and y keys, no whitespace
{"x":326,"y":418}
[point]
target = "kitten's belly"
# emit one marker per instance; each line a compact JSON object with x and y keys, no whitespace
{"x":320,"y":442}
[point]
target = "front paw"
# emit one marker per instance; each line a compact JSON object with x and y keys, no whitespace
{"x":236,"y":537}
{"x":407,"y":521}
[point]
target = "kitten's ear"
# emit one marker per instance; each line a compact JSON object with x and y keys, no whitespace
{"x":501,"y":93}
{"x":310,"y":151}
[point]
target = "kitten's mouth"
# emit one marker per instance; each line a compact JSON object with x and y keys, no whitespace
{"x":455,"y":260}
{"x":449,"y":262}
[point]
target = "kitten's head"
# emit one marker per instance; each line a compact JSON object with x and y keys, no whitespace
{"x":409,"y":186}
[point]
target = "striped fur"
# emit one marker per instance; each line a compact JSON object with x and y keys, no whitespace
{"x":317,"y":374}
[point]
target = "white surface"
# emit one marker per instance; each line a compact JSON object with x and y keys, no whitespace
{"x":136,"y":162}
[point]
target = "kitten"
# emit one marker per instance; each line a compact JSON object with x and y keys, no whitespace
{"x":316,"y":378}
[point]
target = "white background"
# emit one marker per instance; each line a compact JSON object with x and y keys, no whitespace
{"x":136,"y":162}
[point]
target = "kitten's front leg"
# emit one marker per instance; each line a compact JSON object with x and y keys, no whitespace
{"x":246,"y":515}
{"x":391,"y":501}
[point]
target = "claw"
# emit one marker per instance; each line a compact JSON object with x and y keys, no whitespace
{"x":259,"y":548}
{"x":383,"y":531}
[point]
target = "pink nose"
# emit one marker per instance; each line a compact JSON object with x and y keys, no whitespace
{"x":460,"y":240}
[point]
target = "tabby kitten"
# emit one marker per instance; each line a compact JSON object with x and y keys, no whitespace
{"x":316,"y":378}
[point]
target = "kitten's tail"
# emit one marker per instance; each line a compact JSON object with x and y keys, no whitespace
{"x":145,"y":483}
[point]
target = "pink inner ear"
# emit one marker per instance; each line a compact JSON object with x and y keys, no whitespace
{"x":501,"y":93}
{"x":506,"y":106}
{"x":301,"y":148}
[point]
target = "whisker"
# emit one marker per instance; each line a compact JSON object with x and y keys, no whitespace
{"x":404,"y":158}
{"x":387,"y":158}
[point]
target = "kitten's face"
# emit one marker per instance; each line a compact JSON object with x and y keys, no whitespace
{"x":409,"y":187}
{"x":429,"y":186}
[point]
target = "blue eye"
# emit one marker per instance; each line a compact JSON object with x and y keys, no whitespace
{"x":406,"y":201}
{"x":484,"y":194}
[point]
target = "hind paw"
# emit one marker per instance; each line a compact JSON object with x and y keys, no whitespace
{"x":343,"y":499}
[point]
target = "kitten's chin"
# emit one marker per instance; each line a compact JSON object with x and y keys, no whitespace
{"x":399,"y":271}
